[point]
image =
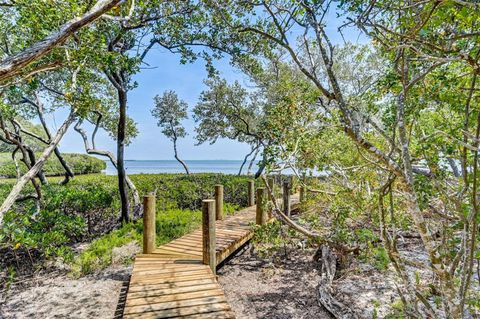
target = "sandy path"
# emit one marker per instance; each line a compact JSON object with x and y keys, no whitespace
{"x":255,"y":288}
{"x":63,"y":297}
{"x":284,"y":289}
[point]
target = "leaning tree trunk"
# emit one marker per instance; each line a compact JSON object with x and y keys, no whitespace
{"x":14,"y":64}
{"x":178,"y":158}
{"x":68,"y":171}
{"x":245,"y":160}
{"x":122,"y":184}
{"x":137,"y":207}
{"x":252,"y":161}
{"x":32,"y":172}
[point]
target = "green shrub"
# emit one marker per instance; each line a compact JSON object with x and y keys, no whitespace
{"x":268,"y":238}
{"x":48,"y":232}
{"x":79,"y":163}
{"x":89,"y":205}
{"x":170,"y":224}
{"x":99,"y":253}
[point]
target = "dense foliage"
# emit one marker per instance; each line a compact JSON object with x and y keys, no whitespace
{"x":87,"y":208}
{"x":79,"y":163}
{"x":394,"y":124}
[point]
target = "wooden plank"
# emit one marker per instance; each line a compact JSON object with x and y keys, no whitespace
{"x":219,"y":235}
{"x":154,"y":265}
{"x":158,"y":256}
{"x":192,"y":242}
{"x":145,"y":267}
{"x":180,"y":311}
{"x":181,"y":251}
{"x":172,"y":291}
{"x":161,"y":274}
{"x":164,"y":277}
{"x":197,"y":247}
{"x":177,"y":284}
{"x":168,"y":260}
{"x":141,"y":285}
{"x":155,"y":303}
{"x":231,"y":230}
{"x":153,"y":271}
{"x":180,"y":303}
{"x":212,"y":315}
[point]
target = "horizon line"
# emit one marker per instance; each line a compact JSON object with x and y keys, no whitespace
{"x":186,"y":160}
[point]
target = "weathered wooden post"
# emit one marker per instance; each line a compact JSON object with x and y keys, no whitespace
{"x":261,"y":217}
{"x":286,"y":197}
{"x":208,"y":230}
{"x":149,"y":224}
{"x":251,"y":193}
{"x":219,"y":202}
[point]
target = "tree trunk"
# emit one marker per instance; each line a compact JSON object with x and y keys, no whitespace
{"x":33,"y":160}
{"x":449,"y":297}
{"x":93,"y":151}
{"x":177,"y":158}
{"x":12,"y":65}
{"x":122,"y":184}
{"x":249,"y":171}
{"x":68,"y":171}
{"x":328,"y":268}
{"x":245,"y":160}
{"x":32,"y":172}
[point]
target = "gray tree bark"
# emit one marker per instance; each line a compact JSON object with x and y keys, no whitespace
{"x":12,"y":65}
{"x":32,"y":172}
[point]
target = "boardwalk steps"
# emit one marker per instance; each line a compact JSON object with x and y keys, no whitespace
{"x":173,"y":282}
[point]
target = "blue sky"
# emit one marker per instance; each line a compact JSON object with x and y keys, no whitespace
{"x":166,"y":73}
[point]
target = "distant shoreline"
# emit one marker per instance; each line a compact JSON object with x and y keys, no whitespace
{"x":173,"y":166}
{"x":187,"y":160}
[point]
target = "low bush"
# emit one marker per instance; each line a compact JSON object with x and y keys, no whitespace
{"x":170,"y":224}
{"x":88,"y":207}
{"x":79,"y":163}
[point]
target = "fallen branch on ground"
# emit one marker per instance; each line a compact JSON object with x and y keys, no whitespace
{"x":328,"y":268}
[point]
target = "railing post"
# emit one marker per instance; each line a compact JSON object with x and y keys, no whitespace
{"x":286,"y":197}
{"x":261,"y":217}
{"x":251,"y":193}
{"x":208,"y":231}
{"x":219,"y":202}
{"x":149,"y":224}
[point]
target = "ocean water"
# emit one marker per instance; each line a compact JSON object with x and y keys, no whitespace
{"x":173,"y":166}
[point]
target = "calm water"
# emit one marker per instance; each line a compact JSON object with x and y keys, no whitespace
{"x":172,"y":166}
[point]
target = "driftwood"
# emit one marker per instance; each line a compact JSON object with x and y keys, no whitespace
{"x":328,"y":262}
{"x":328,"y":268}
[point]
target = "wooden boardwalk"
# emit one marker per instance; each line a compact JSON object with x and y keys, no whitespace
{"x":172,"y":282}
